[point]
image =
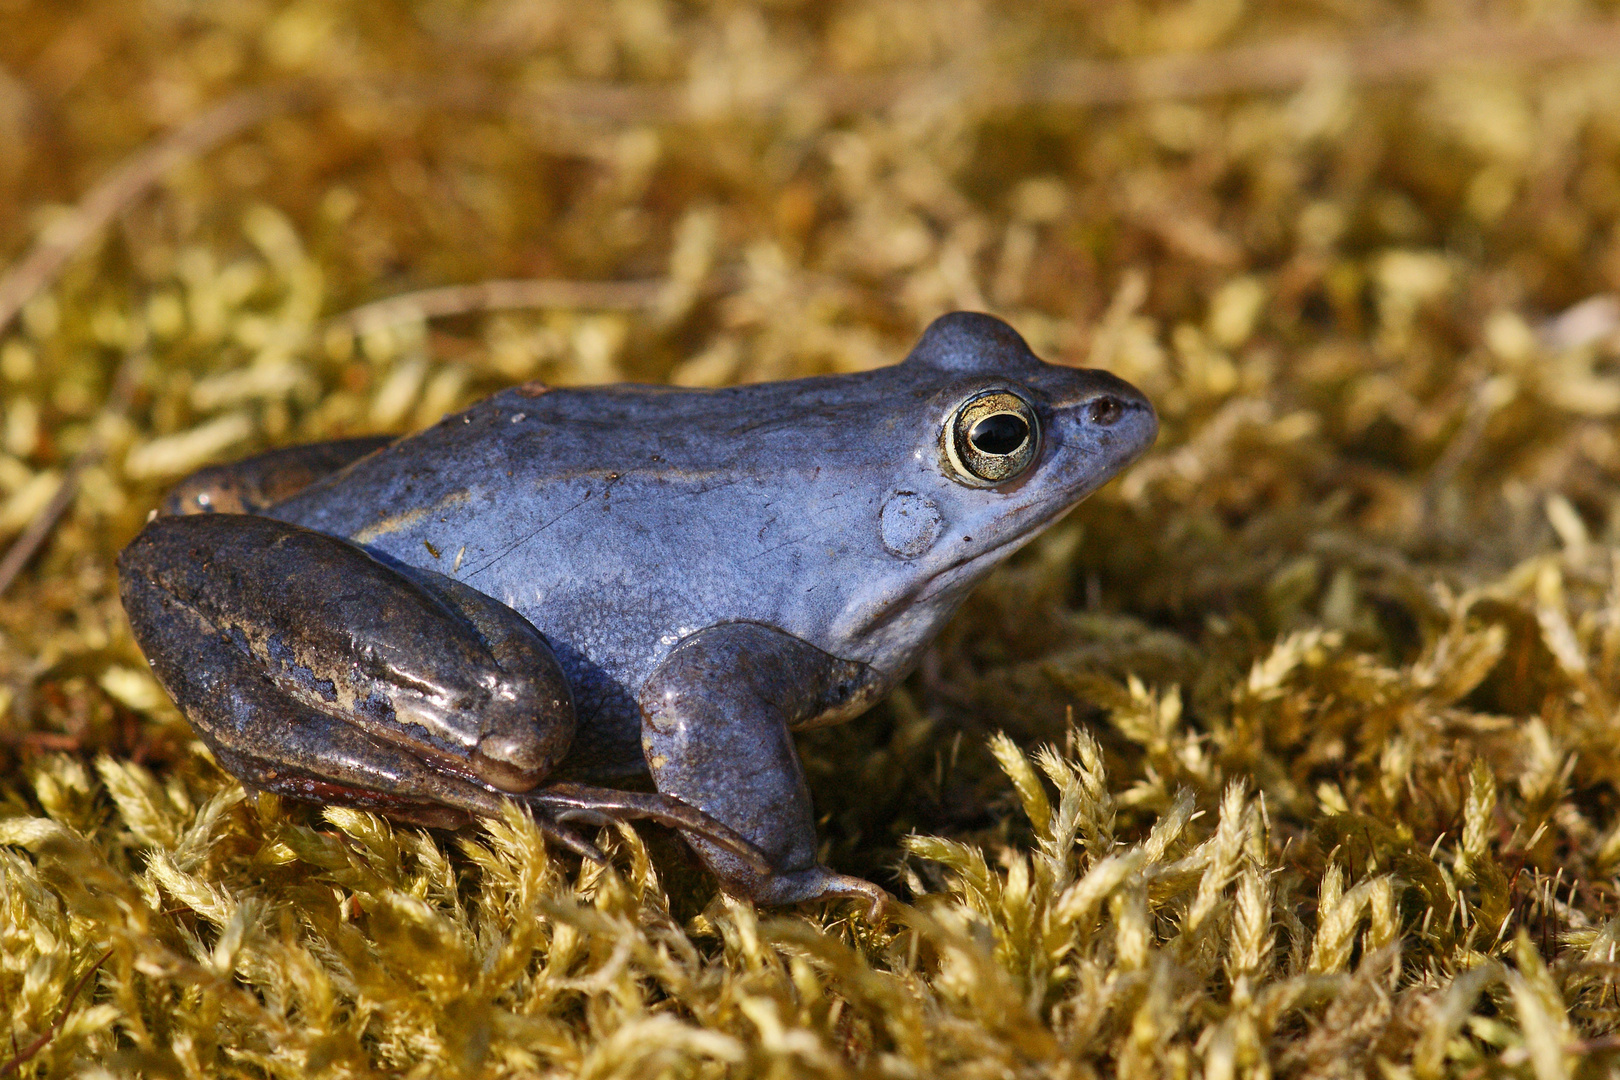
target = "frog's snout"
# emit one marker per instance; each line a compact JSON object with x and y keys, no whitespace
{"x":1117,"y":417}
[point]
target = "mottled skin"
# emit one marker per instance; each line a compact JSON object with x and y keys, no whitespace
{"x":710,"y":570}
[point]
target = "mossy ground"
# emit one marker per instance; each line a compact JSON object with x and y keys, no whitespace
{"x":1311,"y":737}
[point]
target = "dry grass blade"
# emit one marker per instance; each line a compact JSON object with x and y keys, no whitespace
{"x":29,"y":541}
{"x":448,"y":300}
{"x":117,"y":191}
{"x":1265,"y":68}
{"x":1286,"y":65}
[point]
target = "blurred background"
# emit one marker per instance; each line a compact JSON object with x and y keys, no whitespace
{"x":1363,"y":255}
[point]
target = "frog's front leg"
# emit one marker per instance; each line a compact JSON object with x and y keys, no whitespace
{"x":717,"y":716}
{"x":313,"y":669}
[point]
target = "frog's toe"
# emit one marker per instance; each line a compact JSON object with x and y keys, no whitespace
{"x":556,"y":828}
{"x":566,"y":801}
{"x":816,"y":883}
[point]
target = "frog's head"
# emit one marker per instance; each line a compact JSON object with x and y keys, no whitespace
{"x":1001,"y":445}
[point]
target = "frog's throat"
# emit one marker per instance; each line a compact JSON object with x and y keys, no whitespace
{"x":936,"y":592}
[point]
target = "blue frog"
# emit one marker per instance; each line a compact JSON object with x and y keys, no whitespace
{"x":558,"y":590}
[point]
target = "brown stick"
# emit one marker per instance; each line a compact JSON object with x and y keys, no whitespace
{"x":1285,"y":65}
{"x":447,"y":300}
{"x":29,"y":540}
{"x":24,"y":1055}
{"x":120,"y":189}
{"x":117,"y":191}
{"x":1265,"y":68}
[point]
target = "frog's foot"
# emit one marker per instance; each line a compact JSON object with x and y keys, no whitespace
{"x":332,"y":764}
{"x":567,"y":801}
{"x":715,"y":727}
{"x":816,"y":883}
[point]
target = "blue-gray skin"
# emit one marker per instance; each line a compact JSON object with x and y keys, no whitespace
{"x":711,"y":569}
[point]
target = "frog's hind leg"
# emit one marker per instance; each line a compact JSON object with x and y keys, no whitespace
{"x":335,"y":765}
{"x":255,"y":484}
{"x":314,"y":670}
{"x":274,"y":723}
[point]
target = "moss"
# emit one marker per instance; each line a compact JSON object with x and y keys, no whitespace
{"x":1293,"y":752}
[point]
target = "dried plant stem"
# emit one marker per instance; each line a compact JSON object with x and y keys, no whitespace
{"x":29,"y":540}
{"x":501,"y":296}
{"x":1285,"y":65}
{"x":124,"y":185}
{"x":1264,"y":68}
{"x":26,"y":1053}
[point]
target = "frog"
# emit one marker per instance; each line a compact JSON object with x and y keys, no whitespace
{"x":565,"y":595}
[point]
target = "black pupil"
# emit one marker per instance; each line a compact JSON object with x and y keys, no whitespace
{"x":1001,"y":433}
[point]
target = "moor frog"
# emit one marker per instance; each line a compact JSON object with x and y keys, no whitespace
{"x":569,"y":587}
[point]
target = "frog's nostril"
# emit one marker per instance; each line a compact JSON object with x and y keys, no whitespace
{"x":1105,"y":411}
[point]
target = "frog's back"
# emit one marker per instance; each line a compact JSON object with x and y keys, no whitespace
{"x":531,"y":481}
{"x":529,"y":438}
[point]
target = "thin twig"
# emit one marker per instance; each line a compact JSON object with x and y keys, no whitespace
{"x":29,"y":540}
{"x":613,"y":102}
{"x":22,"y":1056}
{"x":437,"y":303}
{"x":1269,"y":67}
{"x":1286,"y":65}
{"x":121,"y":188}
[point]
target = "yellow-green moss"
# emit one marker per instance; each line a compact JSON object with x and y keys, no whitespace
{"x":1295,"y":752}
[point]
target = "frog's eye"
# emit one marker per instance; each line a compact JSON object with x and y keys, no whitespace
{"x":991,"y":438}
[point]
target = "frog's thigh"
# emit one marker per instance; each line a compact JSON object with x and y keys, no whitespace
{"x":254,"y":484}
{"x":276,"y":744}
{"x":716,"y":720}
{"x":269,"y":740}
{"x":296,"y":653}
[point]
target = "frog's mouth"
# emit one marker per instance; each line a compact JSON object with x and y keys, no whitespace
{"x":1020,"y":526}
{"x":940,"y":588}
